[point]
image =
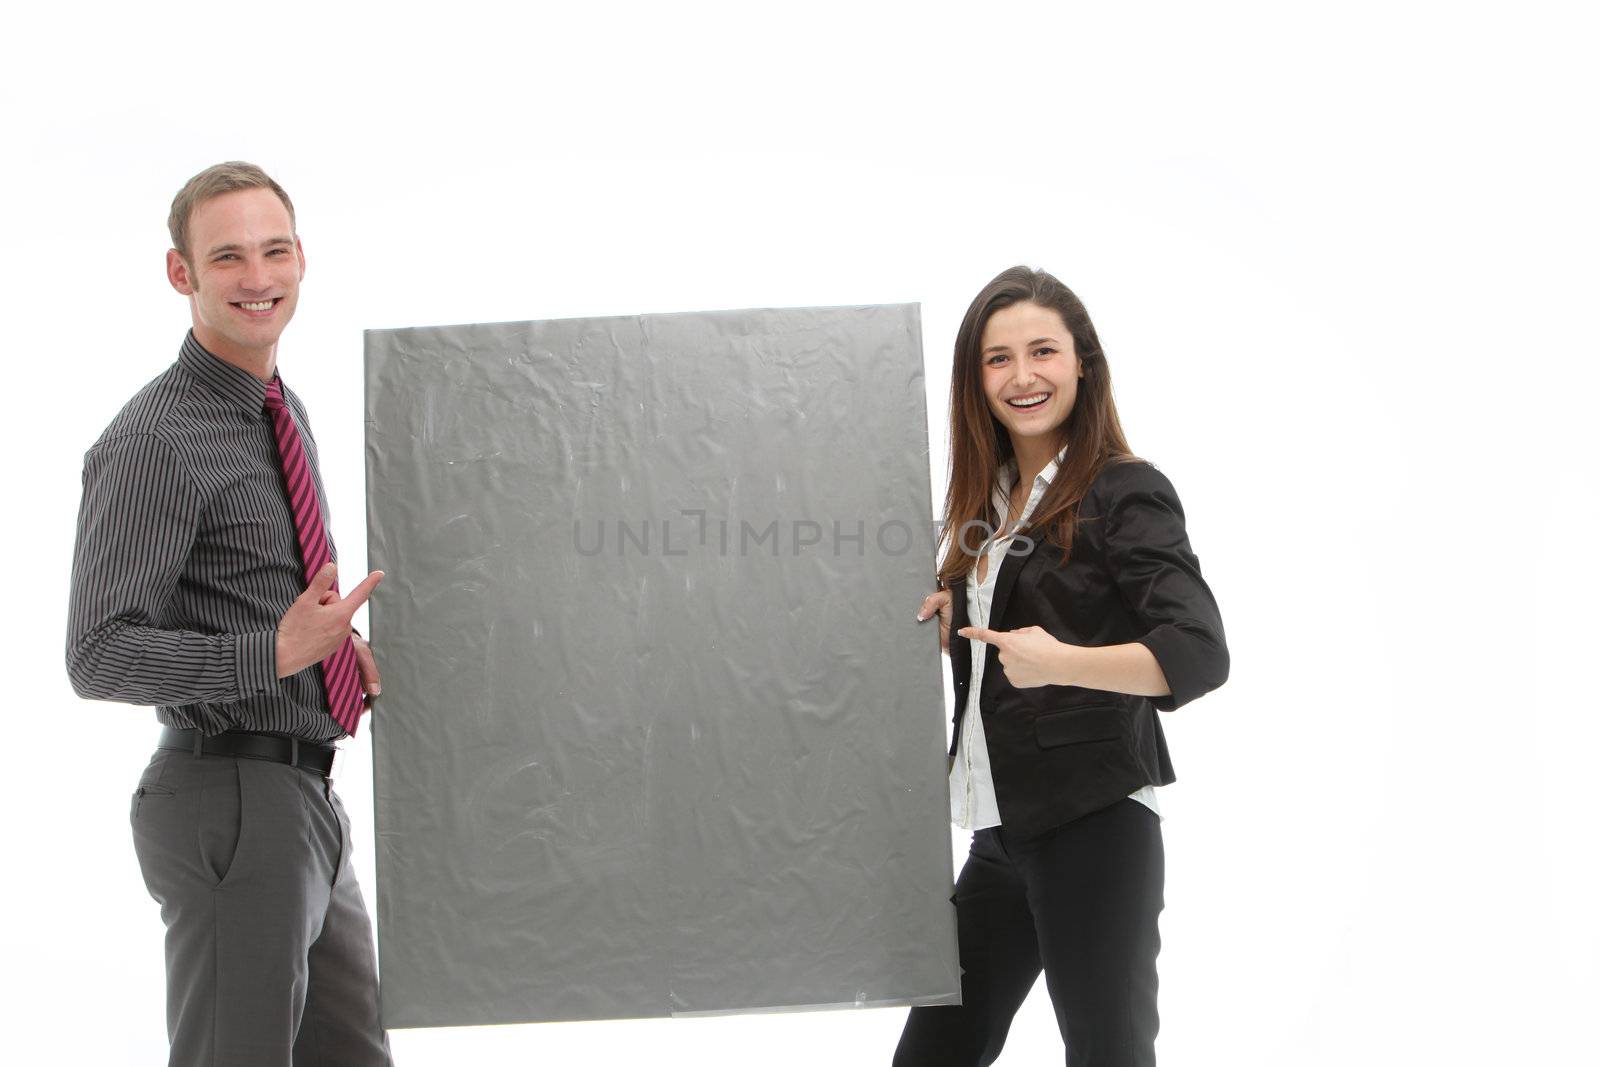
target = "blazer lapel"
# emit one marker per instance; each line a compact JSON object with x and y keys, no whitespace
{"x":1010,"y":567}
{"x":960,"y":647}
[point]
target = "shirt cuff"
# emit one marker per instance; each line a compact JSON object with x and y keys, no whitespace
{"x":257,"y":662}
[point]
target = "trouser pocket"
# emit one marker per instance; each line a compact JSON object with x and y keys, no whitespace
{"x":220,"y":818}
{"x":154,"y":791}
{"x":187,"y":821}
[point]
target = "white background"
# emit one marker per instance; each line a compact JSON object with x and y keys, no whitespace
{"x":1343,"y":261}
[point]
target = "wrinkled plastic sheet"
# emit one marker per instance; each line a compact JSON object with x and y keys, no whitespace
{"x":659,"y":733}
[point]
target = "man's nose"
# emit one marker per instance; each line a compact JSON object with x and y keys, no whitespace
{"x":256,"y":277}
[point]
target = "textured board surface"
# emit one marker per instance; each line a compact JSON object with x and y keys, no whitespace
{"x":659,"y":734}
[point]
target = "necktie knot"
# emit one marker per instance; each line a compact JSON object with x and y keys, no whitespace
{"x":275,"y":395}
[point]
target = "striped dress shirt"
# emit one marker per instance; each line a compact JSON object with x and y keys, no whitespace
{"x":187,"y":557}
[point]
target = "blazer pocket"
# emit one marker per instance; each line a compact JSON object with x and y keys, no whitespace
{"x":1076,"y":726}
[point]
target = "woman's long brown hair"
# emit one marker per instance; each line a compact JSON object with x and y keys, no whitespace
{"x":980,"y":445}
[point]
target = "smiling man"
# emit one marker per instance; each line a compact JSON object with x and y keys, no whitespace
{"x":203,"y":583}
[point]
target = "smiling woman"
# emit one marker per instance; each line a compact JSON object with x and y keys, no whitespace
{"x":1070,"y":649}
{"x":1030,"y":375}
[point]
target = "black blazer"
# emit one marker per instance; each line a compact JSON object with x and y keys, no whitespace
{"x":1061,"y":751}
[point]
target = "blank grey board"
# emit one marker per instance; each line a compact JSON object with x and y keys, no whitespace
{"x":653,"y":739}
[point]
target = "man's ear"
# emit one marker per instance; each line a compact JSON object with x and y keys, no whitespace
{"x":178,"y":273}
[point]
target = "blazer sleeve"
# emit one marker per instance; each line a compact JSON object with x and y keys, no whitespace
{"x":1158,"y":574}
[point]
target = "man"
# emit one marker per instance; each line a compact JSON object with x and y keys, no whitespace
{"x":203,"y":583}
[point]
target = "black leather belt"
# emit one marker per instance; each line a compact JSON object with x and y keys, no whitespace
{"x":307,"y":755}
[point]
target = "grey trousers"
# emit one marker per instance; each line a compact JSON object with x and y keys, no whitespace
{"x":269,"y":948}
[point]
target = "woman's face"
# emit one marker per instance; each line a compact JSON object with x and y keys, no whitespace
{"x":1030,"y":370}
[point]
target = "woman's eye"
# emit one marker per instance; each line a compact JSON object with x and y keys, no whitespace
{"x":995,"y":361}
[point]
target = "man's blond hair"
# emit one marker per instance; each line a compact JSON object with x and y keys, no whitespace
{"x":214,"y":181}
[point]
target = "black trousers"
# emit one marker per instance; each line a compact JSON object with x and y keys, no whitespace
{"x":1081,"y":903}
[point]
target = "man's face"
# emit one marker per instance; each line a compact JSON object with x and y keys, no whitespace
{"x":242,"y":275}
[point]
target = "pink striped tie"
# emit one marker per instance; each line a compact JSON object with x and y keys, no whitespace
{"x":339,"y":675}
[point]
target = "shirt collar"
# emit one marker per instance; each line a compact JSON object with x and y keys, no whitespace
{"x":1008,"y":475}
{"x":238,"y":387}
{"x":1000,"y":500}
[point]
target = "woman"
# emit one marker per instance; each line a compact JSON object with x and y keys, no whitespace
{"x":1080,"y":611}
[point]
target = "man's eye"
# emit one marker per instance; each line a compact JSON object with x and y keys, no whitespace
{"x":278,"y":252}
